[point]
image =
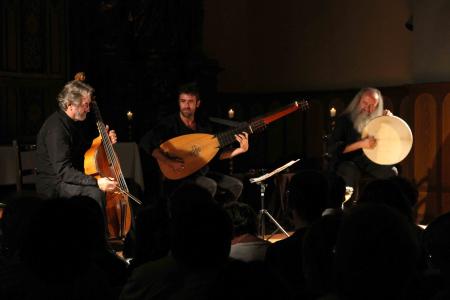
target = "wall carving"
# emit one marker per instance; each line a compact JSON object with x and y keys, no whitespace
{"x":32,"y":64}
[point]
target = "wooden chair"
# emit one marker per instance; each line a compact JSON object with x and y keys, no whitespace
{"x":27,"y":170}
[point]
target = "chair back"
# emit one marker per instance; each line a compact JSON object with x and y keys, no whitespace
{"x":25,"y":164}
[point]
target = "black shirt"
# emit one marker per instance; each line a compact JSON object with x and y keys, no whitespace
{"x":343,"y":135}
{"x":61,"y":144}
{"x":170,"y":127}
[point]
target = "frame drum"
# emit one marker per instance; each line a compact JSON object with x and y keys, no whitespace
{"x":394,"y":140}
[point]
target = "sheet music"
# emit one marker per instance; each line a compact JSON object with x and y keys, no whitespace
{"x":268,"y":175}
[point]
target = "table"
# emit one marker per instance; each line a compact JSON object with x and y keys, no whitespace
{"x":128,"y":154}
{"x":130,"y":162}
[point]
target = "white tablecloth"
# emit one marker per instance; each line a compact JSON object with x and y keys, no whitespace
{"x":130,"y":162}
{"x":128,"y":154}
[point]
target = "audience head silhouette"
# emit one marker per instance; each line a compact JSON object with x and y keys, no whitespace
{"x":408,"y":189}
{"x":387,"y":192}
{"x":337,"y":191}
{"x":308,"y":195}
{"x":15,"y":222}
{"x":67,"y":233}
{"x":201,"y":231}
{"x":376,"y":253}
{"x":318,"y":254}
{"x":436,"y":241}
{"x":152,"y":234}
{"x":243,"y":218}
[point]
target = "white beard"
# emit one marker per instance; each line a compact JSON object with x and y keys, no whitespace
{"x":80,"y":116}
{"x":360,"y":120}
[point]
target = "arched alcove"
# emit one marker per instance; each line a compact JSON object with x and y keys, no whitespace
{"x":406,"y":112}
{"x":425,"y":151}
{"x":445,"y":154}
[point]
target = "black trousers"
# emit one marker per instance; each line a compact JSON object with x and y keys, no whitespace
{"x":66,"y":190}
{"x":353,"y":170}
{"x":211,"y":181}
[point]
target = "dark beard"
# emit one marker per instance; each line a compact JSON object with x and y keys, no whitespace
{"x":187,"y":115}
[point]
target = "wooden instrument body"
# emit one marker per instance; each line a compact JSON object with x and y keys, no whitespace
{"x":100,"y":160}
{"x":118,"y":211}
{"x":197,"y":149}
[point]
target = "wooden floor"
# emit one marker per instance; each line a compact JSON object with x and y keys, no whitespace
{"x":277,"y":237}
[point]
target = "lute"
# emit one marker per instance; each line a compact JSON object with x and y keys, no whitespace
{"x":197,"y":149}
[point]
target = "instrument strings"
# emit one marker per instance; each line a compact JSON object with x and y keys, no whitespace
{"x":112,"y":158}
{"x":129,"y":195}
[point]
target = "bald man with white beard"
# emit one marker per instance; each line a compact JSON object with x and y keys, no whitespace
{"x":345,"y":143}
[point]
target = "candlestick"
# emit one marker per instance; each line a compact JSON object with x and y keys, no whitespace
{"x":230,"y":161}
{"x":332,"y":112}
{"x":130,"y":115}
{"x":231,"y":113}
{"x":130,"y":125}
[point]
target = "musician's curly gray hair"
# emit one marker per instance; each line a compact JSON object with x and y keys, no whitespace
{"x":359,"y":120}
{"x":353,"y":105}
{"x":73,"y":92}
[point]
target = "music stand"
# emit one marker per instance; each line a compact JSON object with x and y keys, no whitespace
{"x":263,"y":211}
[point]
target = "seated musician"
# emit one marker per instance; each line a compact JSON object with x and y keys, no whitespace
{"x":345,"y":143}
{"x":61,"y":144}
{"x":187,"y":121}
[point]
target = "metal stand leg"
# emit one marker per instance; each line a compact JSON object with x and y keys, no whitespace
{"x":263,"y":213}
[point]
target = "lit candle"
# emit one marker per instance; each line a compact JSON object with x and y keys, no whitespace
{"x":130,"y":115}
{"x":332,"y":112}
{"x":231,"y":113}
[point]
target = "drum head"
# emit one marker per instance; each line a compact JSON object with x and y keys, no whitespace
{"x":394,"y":140}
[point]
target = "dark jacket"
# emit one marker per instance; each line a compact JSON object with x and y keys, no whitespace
{"x":171,"y":127}
{"x":61,"y":144}
{"x":343,"y":135}
{"x":168,"y":128}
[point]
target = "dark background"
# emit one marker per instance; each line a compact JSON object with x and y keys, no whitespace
{"x":252,"y":56}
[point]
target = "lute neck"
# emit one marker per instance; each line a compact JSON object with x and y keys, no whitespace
{"x":228,"y":137}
